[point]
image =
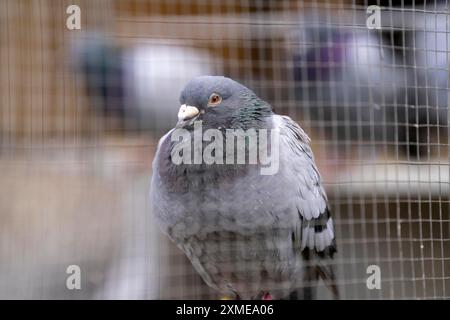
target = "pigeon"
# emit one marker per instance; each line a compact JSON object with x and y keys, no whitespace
{"x":388,"y":87}
{"x":155,"y":69}
{"x":249,"y":235}
{"x":351,"y":82}
{"x":133,"y":83}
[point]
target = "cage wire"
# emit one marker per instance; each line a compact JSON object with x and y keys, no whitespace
{"x":82,"y":110}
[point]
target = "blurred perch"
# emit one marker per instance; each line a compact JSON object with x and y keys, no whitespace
{"x":393,"y":179}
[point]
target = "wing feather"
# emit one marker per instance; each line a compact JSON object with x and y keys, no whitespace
{"x":316,"y":233}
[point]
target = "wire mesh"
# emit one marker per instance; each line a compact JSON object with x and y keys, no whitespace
{"x":81,"y":112}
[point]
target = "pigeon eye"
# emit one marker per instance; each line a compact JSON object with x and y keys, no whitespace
{"x":214,"y":99}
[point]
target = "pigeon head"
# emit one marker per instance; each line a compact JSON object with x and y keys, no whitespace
{"x":221,"y":102}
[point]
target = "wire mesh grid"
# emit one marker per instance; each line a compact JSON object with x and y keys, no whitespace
{"x":82,"y":110}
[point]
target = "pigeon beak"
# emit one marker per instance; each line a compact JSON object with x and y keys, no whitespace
{"x":187,"y":112}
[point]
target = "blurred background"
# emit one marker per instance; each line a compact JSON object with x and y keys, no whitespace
{"x":81,"y":112}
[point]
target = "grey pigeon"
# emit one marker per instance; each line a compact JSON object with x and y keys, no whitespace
{"x":127,"y":82}
{"x":351,"y":82}
{"x":249,"y":235}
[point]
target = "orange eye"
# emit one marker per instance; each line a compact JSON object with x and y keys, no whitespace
{"x":214,"y":99}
